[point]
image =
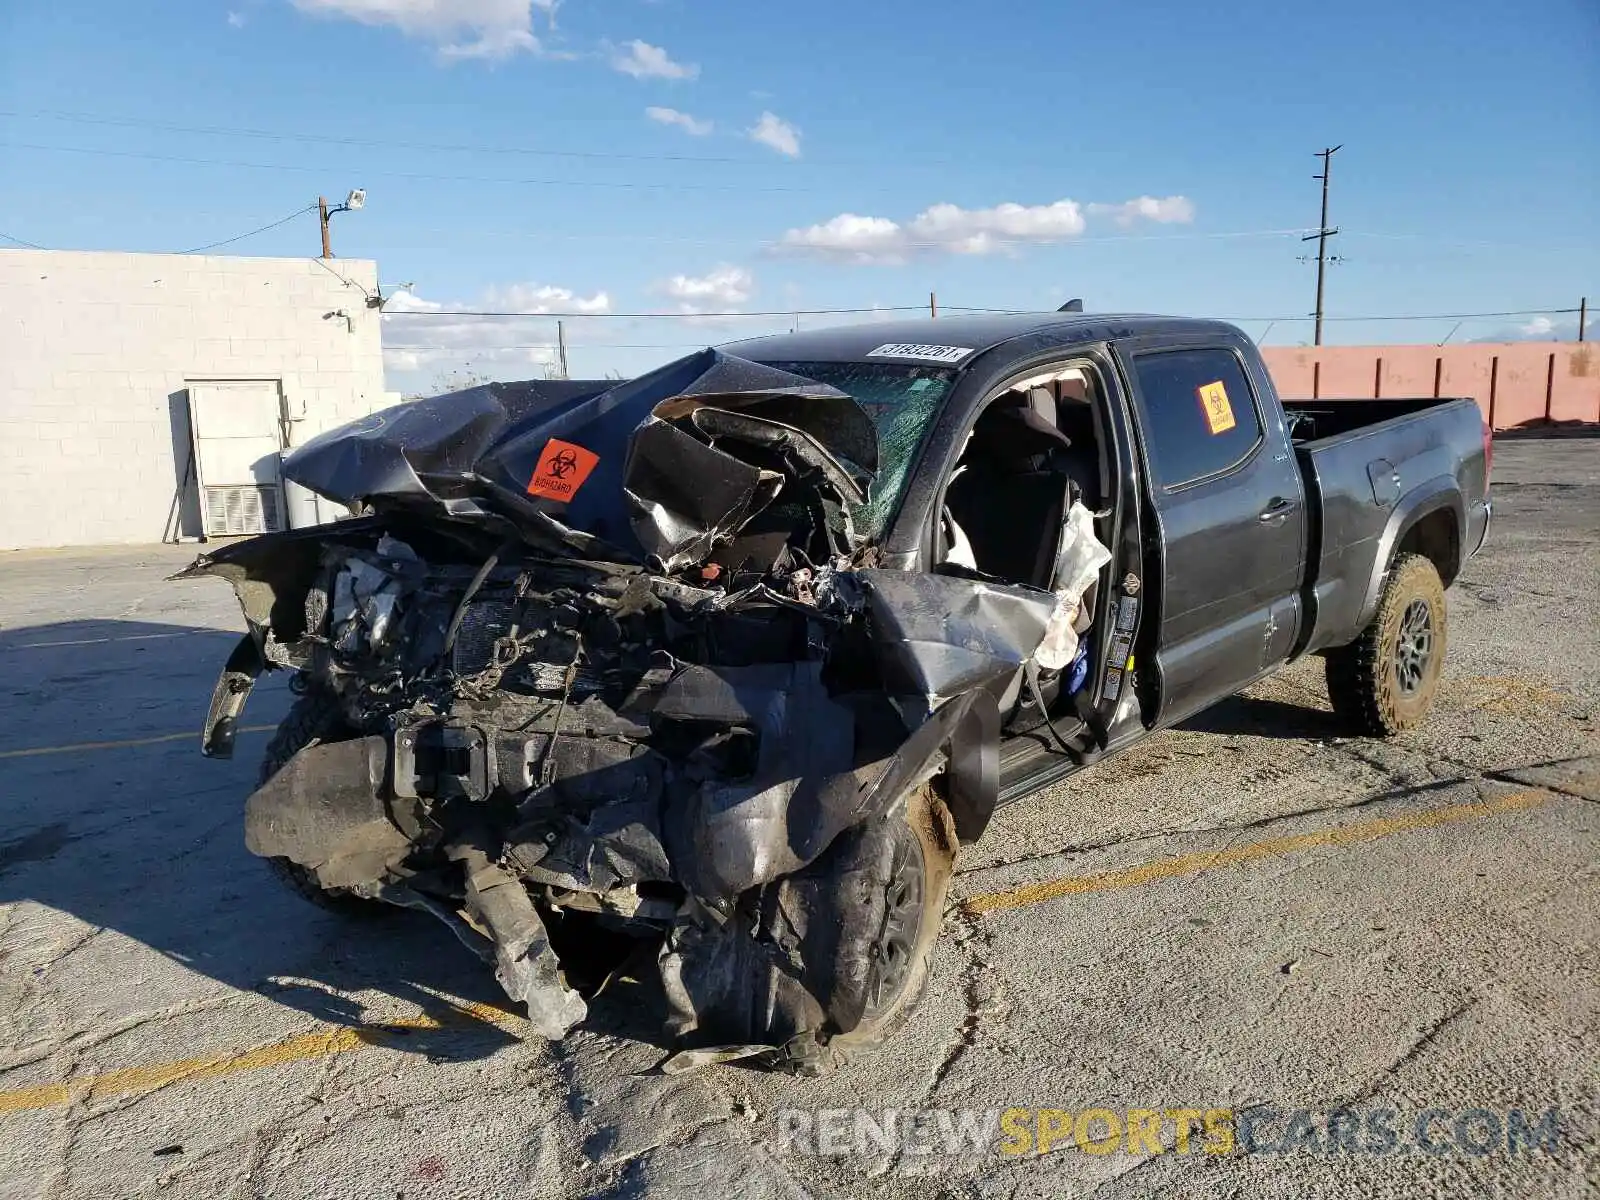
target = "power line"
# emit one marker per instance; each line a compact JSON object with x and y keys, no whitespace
{"x":390,"y":144}
{"x":685,"y":316}
{"x":920,"y":308}
{"x":910,"y":244}
{"x":463,"y":147}
{"x":962,"y":308}
{"x":1522,"y":312}
{"x":502,"y":346}
{"x":299,"y":212}
{"x":1022,"y":312}
{"x":21,"y":242}
{"x":631,"y":185}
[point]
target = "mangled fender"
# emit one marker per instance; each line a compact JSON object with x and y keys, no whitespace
{"x":941,"y":636}
{"x":475,"y":456}
{"x":725,"y":836}
{"x":322,"y":809}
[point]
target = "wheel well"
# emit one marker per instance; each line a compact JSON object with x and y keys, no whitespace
{"x":1437,"y":539}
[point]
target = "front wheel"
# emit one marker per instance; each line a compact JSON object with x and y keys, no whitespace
{"x":311,"y":719}
{"x":866,"y":916}
{"x":1384,"y":682}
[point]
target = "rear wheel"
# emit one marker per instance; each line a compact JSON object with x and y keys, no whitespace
{"x":1384,"y":682}
{"x":311,"y":719}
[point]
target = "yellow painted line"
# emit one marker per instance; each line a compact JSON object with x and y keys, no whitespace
{"x":324,"y":1043}
{"x":134,"y":637}
{"x":333,"y":1040}
{"x":75,"y":747}
{"x":1235,"y":856}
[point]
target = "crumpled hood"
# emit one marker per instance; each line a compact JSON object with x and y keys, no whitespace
{"x":653,"y":469}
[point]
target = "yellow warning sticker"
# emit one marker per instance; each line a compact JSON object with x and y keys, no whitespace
{"x":1214,"y":403}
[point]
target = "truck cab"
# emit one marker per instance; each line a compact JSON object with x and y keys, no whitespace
{"x":1244,"y":532}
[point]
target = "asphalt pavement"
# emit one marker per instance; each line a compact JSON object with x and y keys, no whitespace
{"x":1250,"y":957}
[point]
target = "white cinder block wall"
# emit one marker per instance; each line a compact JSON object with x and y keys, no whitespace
{"x":97,"y":348}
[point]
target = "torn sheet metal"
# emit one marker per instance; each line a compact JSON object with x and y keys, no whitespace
{"x":572,"y":761}
{"x":424,"y":453}
{"x":685,"y":496}
{"x":727,"y":835}
{"x":602,"y":662}
{"x":323,"y":810}
{"x":483,"y":455}
{"x":939,"y":636}
{"x":525,"y":964}
{"x":791,"y":967}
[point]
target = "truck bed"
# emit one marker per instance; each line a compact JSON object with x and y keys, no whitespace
{"x":1324,"y":418}
{"x":1362,"y":460}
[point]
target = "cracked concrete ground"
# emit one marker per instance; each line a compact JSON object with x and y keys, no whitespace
{"x":1250,"y":912}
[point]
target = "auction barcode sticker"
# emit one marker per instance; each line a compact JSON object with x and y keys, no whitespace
{"x":944,"y":354}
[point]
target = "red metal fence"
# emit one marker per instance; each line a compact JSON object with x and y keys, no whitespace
{"x":1516,"y":384}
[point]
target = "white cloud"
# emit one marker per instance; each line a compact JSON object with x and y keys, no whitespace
{"x":847,"y":236}
{"x":938,"y":229}
{"x":505,"y":346}
{"x":986,"y":230}
{"x":772,"y":130}
{"x":671,"y":116}
{"x":486,"y":29}
{"x":951,"y":229}
{"x":644,"y":61}
{"x":236,"y":19}
{"x":723,"y":287}
{"x":534,"y":299}
{"x":1168,"y":210}
{"x":1538,"y":329}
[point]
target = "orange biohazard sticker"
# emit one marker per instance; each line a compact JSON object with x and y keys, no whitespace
{"x":561,"y":471}
{"x":1214,"y":403}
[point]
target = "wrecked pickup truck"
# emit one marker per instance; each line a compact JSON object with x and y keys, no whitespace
{"x":718,"y":668}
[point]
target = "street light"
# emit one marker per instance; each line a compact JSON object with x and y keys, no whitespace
{"x":354,"y":202}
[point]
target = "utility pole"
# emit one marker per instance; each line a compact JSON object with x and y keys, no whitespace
{"x":1583,"y":316}
{"x":561,"y":348}
{"x":933,"y":305}
{"x":322,"y":215}
{"x":1323,"y":233}
{"x":354,"y":202}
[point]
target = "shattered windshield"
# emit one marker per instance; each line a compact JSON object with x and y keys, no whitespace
{"x":902,"y":401}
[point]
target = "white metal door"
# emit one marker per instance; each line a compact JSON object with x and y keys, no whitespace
{"x":238,"y":440}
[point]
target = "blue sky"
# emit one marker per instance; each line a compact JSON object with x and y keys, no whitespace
{"x":698,"y":156}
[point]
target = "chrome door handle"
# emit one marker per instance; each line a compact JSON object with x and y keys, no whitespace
{"x":1277,"y":510}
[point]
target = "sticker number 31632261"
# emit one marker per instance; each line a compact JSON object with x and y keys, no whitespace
{"x":944,"y":354}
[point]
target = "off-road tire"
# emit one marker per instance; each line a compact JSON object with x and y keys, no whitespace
{"x":1364,"y":678}
{"x":309,"y":720}
{"x":932,"y":834}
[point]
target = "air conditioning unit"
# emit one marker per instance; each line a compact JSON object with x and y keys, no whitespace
{"x":243,"y":509}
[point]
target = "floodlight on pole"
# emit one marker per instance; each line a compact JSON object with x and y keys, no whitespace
{"x":354,"y":202}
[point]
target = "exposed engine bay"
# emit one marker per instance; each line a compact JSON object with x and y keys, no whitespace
{"x":616,"y":657}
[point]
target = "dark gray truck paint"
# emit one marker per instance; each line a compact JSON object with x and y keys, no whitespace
{"x":1281,"y":555}
{"x":557,"y":692}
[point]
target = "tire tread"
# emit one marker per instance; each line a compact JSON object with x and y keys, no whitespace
{"x":1360,"y":676}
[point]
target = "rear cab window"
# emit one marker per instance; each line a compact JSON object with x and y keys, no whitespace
{"x":1200,"y":414}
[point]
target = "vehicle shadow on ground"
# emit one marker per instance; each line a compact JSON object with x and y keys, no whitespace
{"x":1259,"y":717}
{"x":147,"y":839}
